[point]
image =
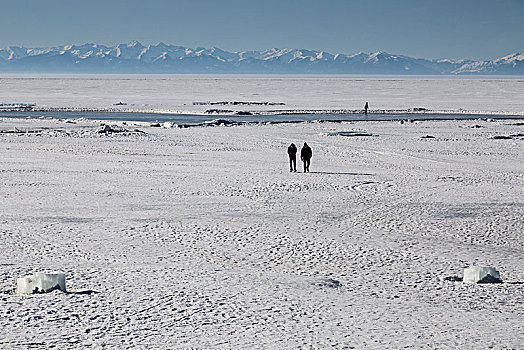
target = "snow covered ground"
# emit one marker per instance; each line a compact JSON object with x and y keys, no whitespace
{"x":177,"y":93}
{"x":202,"y":238}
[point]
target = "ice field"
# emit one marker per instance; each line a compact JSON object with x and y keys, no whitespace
{"x":201,"y":238}
{"x":178,"y":93}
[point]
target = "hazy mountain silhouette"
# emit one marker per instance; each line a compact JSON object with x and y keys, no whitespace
{"x":134,"y":57}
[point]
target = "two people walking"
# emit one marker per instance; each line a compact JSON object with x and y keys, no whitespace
{"x":305,"y":156}
{"x":305,"y":152}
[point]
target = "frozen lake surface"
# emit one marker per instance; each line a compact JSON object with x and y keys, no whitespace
{"x":194,"y":94}
{"x":202,"y":238}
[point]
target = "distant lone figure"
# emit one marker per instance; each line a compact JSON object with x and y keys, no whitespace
{"x":305,"y":155}
{"x":292,"y":152}
{"x":366,"y":107}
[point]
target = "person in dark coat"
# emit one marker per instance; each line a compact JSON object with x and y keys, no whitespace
{"x":292,"y":152}
{"x":305,"y":155}
{"x":366,"y":107}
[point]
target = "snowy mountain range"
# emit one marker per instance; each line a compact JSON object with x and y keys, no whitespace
{"x":134,"y":57}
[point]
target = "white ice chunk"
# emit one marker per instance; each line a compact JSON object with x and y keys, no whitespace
{"x":41,"y":282}
{"x":481,"y":274}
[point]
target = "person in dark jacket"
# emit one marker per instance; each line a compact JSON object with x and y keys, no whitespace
{"x":305,"y":155}
{"x":366,"y":107}
{"x":292,"y":152}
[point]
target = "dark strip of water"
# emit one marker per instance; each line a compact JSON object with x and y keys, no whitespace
{"x":192,"y":120}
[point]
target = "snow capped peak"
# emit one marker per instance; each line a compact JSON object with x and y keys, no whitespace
{"x":13,"y":52}
{"x":376,"y":54}
{"x":134,"y":43}
{"x":510,"y":64}
{"x":278,"y":54}
{"x":322,"y":55}
{"x":514,"y":57}
{"x":357,"y":56}
{"x":518,"y":55}
{"x":383,"y":55}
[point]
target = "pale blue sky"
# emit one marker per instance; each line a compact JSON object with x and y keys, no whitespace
{"x":477,"y":29}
